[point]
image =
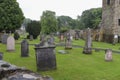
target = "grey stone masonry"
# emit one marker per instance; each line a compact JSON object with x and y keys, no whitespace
{"x":12,"y":72}
{"x":110,"y":20}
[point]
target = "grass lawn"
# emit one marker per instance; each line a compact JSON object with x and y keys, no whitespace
{"x":72,"y":66}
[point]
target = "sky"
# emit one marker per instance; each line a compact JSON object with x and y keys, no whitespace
{"x":33,"y":9}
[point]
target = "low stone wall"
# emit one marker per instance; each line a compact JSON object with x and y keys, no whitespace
{"x":12,"y":72}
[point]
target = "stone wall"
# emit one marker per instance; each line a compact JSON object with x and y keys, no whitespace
{"x":110,"y":19}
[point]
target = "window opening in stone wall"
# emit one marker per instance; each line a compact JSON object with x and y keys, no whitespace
{"x":108,"y":2}
{"x":119,"y":22}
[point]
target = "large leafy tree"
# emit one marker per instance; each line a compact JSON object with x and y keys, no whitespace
{"x":90,"y":18}
{"x":11,"y":15}
{"x":48,"y":22}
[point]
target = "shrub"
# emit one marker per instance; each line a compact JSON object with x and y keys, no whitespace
{"x":33,"y":28}
{"x":16,"y":36}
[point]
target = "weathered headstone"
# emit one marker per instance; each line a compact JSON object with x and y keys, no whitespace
{"x":1,"y":56}
{"x":77,"y":35}
{"x":88,"y":43}
{"x":24,"y":48}
{"x":68,"y":42}
{"x":115,"y":39}
{"x":10,"y":43}
{"x":61,"y":37}
{"x":108,"y":55}
{"x":51,"y":40}
{"x":4,"y":38}
{"x":45,"y":56}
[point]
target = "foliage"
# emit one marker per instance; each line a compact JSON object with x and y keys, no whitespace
{"x":16,"y":35}
{"x":25,"y":22}
{"x":34,"y":28}
{"x":11,"y":15}
{"x":48,"y":22}
{"x":63,"y":30}
{"x":66,"y":21}
{"x":90,"y":18}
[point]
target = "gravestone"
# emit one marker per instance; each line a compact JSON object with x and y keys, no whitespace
{"x":61,"y":37}
{"x":24,"y":48}
{"x":10,"y":43}
{"x":115,"y":39}
{"x":77,"y":35}
{"x":4,"y":38}
{"x":42,"y":37}
{"x":1,"y":56}
{"x":88,"y":43}
{"x":108,"y":55}
{"x":68,"y":42}
{"x":51,"y":40}
{"x":45,"y":56}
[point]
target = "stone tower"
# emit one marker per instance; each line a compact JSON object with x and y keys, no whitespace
{"x":110,"y":20}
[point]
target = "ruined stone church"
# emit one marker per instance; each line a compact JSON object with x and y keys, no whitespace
{"x":110,"y":24}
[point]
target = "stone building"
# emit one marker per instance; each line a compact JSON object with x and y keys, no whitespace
{"x":110,"y":20}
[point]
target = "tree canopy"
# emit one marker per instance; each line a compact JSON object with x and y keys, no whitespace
{"x":11,"y":15}
{"x":90,"y":18}
{"x":48,"y":22}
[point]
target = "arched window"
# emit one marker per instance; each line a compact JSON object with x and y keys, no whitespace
{"x":108,"y":2}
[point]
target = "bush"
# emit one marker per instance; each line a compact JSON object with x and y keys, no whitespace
{"x":16,"y":36}
{"x":33,"y":28}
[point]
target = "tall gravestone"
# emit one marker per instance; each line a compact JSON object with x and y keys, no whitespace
{"x":10,"y":43}
{"x":88,"y":43}
{"x":68,"y":41}
{"x":24,"y":48}
{"x":45,"y":56}
{"x":4,"y":38}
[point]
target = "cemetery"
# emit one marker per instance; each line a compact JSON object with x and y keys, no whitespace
{"x":59,"y":47}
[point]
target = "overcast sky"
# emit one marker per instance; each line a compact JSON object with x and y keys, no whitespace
{"x":33,"y":8}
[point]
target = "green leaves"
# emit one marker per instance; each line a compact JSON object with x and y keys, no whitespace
{"x":48,"y":22}
{"x":11,"y":15}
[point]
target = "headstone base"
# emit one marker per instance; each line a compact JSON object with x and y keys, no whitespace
{"x":87,"y":51}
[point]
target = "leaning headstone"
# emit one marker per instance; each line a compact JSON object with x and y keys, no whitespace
{"x":10,"y":43}
{"x":24,"y":48}
{"x":108,"y":55}
{"x":1,"y":56}
{"x":68,"y":42}
{"x":4,"y":38}
{"x":88,"y":43}
{"x":45,"y":56}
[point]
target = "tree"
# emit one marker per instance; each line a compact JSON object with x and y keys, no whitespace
{"x":66,"y":21}
{"x":90,"y":18}
{"x":11,"y":15}
{"x":34,"y":28}
{"x":48,"y":22}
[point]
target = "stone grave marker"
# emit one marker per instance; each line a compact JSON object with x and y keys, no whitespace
{"x":51,"y":40}
{"x":88,"y":43}
{"x":77,"y":36}
{"x":10,"y":43}
{"x":1,"y":56}
{"x":24,"y":48}
{"x":45,"y":56}
{"x":108,"y":55}
{"x":4,"y":38}
{"x":61,"y":37}
{"x":68,"y":42}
